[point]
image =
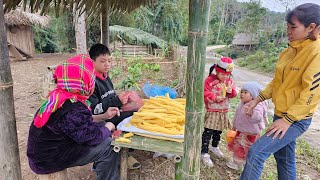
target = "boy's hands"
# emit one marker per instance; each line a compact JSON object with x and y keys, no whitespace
{"x":111,"y":112}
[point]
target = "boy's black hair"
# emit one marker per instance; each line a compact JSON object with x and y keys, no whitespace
{"x":306,"y":13}
{"x":98,"y":49}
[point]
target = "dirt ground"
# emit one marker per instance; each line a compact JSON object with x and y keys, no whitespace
{"x":28,"y":78}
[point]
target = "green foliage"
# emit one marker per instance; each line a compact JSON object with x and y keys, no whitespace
{"x":58,"y":37}
{"x":93,"y":31}
{"x":312,"y":155}
{"x":154,"y":67}
{"x":251,"y":21}
{"x":133,"y":61}
{"x":175,"y":83}
{"x":134,"y":75}
{"x":136,"y":36}
{"x":114,"y":72}
{"x":166,"y":19}
{"x":264,"y":59}
{"x":43,"y":40}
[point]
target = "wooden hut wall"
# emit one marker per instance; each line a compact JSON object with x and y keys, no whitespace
{"x":21,"y":37}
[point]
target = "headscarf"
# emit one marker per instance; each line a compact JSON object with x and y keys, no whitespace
{"x":74,"y":81}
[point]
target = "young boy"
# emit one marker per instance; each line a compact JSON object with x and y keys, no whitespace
{"x":104,"y":95}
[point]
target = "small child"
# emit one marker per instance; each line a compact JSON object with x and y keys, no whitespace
{"x":218,"y":89}
{"x":248,"y":127}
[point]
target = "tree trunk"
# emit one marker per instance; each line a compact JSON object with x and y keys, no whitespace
{"x":80,"y":28}
{"x":104,"y":21}
{"x":220,"y":23}
{"x":198,"y":30}
{"x":9,"y":150}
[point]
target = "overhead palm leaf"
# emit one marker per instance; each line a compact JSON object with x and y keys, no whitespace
{"x":136,"y":35}
{"x":91,"y":6}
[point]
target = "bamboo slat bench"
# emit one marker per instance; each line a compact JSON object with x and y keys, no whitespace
{"x":149,"y":144}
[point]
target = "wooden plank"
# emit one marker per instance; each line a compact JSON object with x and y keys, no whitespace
{"x":137,"y":47}
{"x":136,"y":53}
{"x":24,"y":53}
{"x":15,"y":52}
{"x":153,"y":145}
{"x":126,"y":45}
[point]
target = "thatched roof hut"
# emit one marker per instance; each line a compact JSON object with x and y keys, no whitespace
{"x":243,"y":39}
{"x":19,"y":31}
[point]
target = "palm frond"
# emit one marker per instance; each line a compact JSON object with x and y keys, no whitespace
{"x":136,"y":35}
{"x":91,"y":6}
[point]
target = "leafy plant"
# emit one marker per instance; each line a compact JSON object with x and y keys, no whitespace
{"x":153,"y":67}
{"x":134,"y":75}
{"x":136,"y":36}
{"x":114,"y":72}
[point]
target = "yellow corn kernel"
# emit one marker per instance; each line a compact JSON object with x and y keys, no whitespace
{"x":127,"y":135}
{"x":127,"y":125}
{"x":121,"y":139}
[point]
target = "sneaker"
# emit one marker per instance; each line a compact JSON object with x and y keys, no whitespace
{"x":233,"y":165}
{"x":206,"y":160}
{"x":216,"y":151}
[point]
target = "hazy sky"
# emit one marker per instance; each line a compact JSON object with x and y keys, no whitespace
{"x":274,"y":5}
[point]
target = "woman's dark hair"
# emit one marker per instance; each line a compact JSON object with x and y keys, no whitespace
{"x":306,"y":13}
{"x":97,"y":50}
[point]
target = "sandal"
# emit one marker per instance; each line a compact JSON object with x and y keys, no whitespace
{"x":133,"y":163}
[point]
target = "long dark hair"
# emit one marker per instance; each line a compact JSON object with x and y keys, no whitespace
{"x":306,"y":13}
{"x":211,"y":69}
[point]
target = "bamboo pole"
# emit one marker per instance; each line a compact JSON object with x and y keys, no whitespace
{"x":198,"y":29}
{"x":9,"y":151}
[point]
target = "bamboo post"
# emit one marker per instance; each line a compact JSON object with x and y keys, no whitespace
{"x":124,"y":164}
{"x":198,"y":29}
{"x":178,"y":170}
{"x":9,"y":149}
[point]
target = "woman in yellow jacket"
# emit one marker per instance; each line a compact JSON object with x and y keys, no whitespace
{"x":295,"y":93}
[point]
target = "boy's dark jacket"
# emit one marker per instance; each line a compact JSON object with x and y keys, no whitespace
{"x":104,"y":97}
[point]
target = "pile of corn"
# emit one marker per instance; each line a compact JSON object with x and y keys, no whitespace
{"x":161,"y":115}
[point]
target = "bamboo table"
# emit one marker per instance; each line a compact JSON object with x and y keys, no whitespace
{"x":149,"y":144}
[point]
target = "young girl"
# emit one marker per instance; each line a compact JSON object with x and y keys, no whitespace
{"x":218,"y":89}
{"x":295,"y":93}
{"x":248,"y":128}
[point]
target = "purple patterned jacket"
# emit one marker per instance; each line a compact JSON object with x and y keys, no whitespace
{"x":67,"y":136}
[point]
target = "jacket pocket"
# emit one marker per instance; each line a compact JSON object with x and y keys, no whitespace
{"x":292,"y":95}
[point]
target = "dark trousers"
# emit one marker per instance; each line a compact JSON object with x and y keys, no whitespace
{"x":206,"y":137}
{"x":105,"y":159}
